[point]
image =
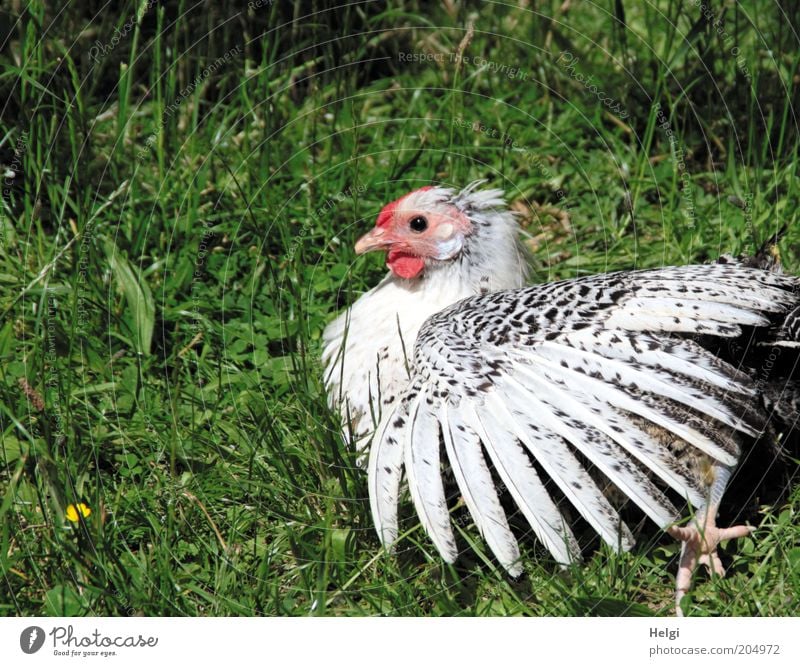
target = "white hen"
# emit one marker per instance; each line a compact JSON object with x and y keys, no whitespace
{"x":588,"y":382}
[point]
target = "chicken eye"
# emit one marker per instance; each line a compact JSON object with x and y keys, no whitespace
{"x":418,"y":224}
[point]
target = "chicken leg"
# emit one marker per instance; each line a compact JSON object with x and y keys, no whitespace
{"x":700,"y":542}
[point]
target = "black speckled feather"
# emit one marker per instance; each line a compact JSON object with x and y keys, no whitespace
{"x":605,"y":366}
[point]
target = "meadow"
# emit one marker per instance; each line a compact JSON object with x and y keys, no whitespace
{"x":182,"y":186}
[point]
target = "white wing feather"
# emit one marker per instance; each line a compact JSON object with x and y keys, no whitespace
{"x":553,"y":454}
{"x":551,"y":373}
{"x":385,"y":471}
{"x":523,"y":484}
{"x":477,"y":487}
{"x":425,"y":479}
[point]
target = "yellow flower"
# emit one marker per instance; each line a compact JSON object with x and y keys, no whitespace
{"x":80,"y":508}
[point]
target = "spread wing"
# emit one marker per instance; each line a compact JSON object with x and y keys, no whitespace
{"x":535,"y":383}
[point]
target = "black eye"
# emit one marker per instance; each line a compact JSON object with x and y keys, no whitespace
{"x":418,"y":224}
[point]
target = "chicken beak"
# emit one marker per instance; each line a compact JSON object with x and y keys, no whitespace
{"x":377,"y":239}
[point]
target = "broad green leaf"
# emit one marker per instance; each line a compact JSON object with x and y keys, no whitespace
{"x":138,"y":296}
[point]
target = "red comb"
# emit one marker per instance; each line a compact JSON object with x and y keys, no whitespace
{"x":385,"y":216}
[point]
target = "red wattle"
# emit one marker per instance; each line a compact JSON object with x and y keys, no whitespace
{"x":405,"y":265}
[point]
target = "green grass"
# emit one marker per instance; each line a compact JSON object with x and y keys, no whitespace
{"x":169,"y":261}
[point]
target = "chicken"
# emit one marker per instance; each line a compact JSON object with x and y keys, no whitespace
{"x":578,"y":390}
{"x":366,"y":349}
